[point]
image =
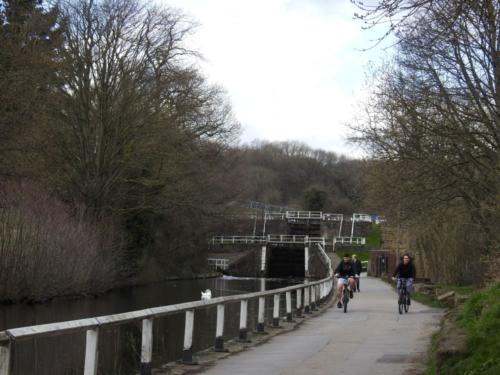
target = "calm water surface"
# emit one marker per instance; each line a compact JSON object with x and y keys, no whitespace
{"x":119,"y":346}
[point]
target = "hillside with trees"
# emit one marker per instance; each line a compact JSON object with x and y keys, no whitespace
{"x":295,"y":175}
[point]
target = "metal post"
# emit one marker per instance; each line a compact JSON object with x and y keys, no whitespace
{"x":187,"y":353}
{"x":288,"y":306}
{"x":90,"y":367}
{"x":261,"y":314}
{"x":146,"y":346}
{"x":276,"y":311}
{"x":298,"y":303}
{"x":219,"y":330}
{"x":243,"y":320}
{"x":341,"y":222}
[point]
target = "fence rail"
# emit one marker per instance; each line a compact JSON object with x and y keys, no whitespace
{"x":304,"y":215}
{"x":270,"y":238}
{"x":281,"y":214}
{"x":350,"y":240}
{"x":218,"y":263}
{"x":238,"y":239}
{"x":313,"y":293}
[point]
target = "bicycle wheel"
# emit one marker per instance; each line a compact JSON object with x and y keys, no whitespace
{"x":400,"y":302}
{"x":345,"y":299}
{"x":406,"y":306}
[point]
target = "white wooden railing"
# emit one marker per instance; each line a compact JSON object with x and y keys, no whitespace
{"x":362,"y":217}
{"x":304,"y":215}
{"x":308,"y":295}
{"x":332,"y":217}
{"x":350,"y":240}
{"x":238,"y":239}
{"x":270,"y":238}
{"x":309,"y":215}
{"x":218,"y":263}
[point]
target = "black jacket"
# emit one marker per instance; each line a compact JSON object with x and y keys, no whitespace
{"x":346,"y":269}
{"x":405,"y":271}
{"x":358,"y":266}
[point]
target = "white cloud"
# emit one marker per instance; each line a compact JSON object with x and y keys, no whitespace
{"x":290,"y":67}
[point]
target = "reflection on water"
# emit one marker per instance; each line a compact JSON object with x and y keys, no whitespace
{"x":119,"y":346}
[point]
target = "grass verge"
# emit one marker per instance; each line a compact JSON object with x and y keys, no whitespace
{"x":431,"y":359}
{"x":480,"y":318}
{"x":427,"y":300}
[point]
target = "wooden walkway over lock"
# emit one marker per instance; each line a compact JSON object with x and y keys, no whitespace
{"x":315,"y":215}
{"x":286,"y":239}
{"x":308,"y":295}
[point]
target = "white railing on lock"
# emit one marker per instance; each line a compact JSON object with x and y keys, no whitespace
{"x":313,"y":292}
{"x":304,"y":215}
{"x":286,"y":238}
{"x":362,"y":217}
{"x":275,"y":216}
{"x":238,"y":239}
{"x":316,"y":240}
{"x":218,"y":263}
{"x":350,"y":240}
{"x":332,"y":217}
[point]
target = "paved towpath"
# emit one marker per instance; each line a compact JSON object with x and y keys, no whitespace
{"x":372,"y":338}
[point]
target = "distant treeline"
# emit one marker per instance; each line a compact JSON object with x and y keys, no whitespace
{"x":295,"y":175}
{"x":116,"y":154}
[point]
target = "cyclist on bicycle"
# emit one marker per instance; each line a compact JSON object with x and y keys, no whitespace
{"x":358,"y":266}
{"x":345,"y":271}
{"x":405,"y":270}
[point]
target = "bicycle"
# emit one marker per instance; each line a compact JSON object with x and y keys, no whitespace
{"x":403,"y":298}
{"x":345,"y":294}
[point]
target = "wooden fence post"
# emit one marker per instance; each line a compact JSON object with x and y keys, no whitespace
{"x":261,"y":314}
{"x":276,"y":311}
{"x":91,"y":353}
{"x":219,"y":330}
{"x":288,"y":306}
{"x":243,"y":335}
{"x":298,"y":303}
{"x":146,"y":346}
{"x":5,"y":357}
{"x":187,"y":353}
{"x":307,"y":307}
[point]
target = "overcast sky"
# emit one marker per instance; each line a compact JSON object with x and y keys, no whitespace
{"x":292,"y":68}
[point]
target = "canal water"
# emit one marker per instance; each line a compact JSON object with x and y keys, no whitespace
{"x":119,"y":346}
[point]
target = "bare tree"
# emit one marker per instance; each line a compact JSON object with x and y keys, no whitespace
{"x":433,"y":121}
{"x":129,"y":93}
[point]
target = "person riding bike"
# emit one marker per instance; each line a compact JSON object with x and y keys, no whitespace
{"x":345,"y":271}
{"x":359,"y":268}
{"x":405,"y":270}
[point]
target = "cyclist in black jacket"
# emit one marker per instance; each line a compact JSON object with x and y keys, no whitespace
{"x":345,"y":271}
{"x":405,"y":270}
{"x":359,"y":268}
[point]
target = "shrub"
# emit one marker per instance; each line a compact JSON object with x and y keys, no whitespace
{"x":47,"y":251}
